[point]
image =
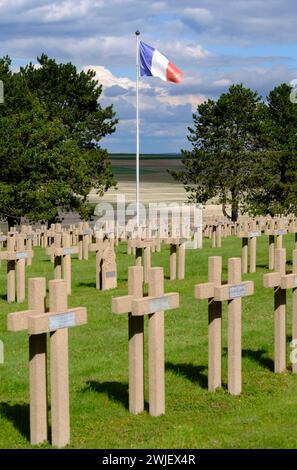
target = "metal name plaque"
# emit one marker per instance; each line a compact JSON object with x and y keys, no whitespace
{"x":255,"y":234}
{"x":2,"y":239}
{"x":30,"y":237}
{"x":237,"y":291}
{"x":280,"y":232}
{"x":63,"y":320}
{"x":110,"y":274}
{"x":68,"y":251}
{"x":88,"y":231}
{"x":157,"y":305}
{"x":21,"y":255}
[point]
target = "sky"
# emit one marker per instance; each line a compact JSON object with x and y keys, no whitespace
{"x":214,"y":42}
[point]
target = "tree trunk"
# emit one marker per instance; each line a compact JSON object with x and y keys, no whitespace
{"x":234,"y":215}
{"x":11,"y":222}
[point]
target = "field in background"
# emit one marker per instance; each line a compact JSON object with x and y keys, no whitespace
{"x":152,"y":167}
{"x":263,"y":416}
{"x":156,"y":184}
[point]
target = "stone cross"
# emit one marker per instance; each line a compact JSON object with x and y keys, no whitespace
{"x":231,"y":292}
{"x":206,"y":291}
{"x":175,"y":243}
{"x":106,"y":269}
{"x":293,"y":229}
{"x":142,"y":250}
{"x":16,"y":259}
{"x":84,"y":233}
{"x":216,"y":235}
{"x":154,"y":305}
{"x":281,"y":281}
{"x":249,"y":237}
{"x":278,"y":234}
{"x":62,"y":257}
{"x":38,"y":324}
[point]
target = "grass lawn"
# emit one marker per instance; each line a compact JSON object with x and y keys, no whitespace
{"x":264,"y":416}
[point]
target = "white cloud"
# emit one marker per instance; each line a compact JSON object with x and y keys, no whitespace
{"x":222,"y":82}
{"x":107,"y":79}
{"x":200,"y":15}
{"x":176,"y":100}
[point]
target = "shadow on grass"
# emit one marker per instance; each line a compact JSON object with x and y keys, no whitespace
{"x":264,"y":266}
{"x":116,"y":391}
{"x":190,"y":372}
{"x":3,"y":296}
{"x":259,"y":356}
{"x":86,"y":284}
{"x":19,"y":416}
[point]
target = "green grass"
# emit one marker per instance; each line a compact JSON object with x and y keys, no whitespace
{"x":265,"y":415}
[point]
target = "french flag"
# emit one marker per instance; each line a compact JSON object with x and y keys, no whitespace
{"x":153,"y":63}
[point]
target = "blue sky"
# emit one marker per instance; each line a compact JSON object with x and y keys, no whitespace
{"x":214,"y":42}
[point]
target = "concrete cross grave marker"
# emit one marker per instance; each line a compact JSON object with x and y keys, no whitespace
{"x":143,"y":250}
{"x":249,"y":238}
{"x":206,"y":291}
{"x":38,"y":324}
{"x":62,"y":257}
{"x":275,"y":233}
{"x":281,"y":281}
{"x":216,"y":293}
{"x":177,"y":244}
{"x":292,"y":229}
{"x":16,"y":256}
{"x":154,"y":306}
{"x":216,"y":236}
{"x":108,"y":269}
{"x":84,"y":233}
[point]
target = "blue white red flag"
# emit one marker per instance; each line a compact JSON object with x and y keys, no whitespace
{"x":153,"y":63}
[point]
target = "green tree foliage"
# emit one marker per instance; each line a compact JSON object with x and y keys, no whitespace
{"x":227,"y":138}
{"x":50,"y":126}
{"x":277,"y":183}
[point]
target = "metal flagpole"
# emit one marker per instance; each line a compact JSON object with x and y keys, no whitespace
{"x":137,"y":127}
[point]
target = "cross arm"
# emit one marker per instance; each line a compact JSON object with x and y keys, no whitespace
{"x":96,"y":246}
{"x":121,"y":304}
{"x":140,"y":243}
{"x":18,"y":321}
{"x":251,"y":234}
{"x":204,"y":291}
{"x":15,"y":255}
{"x":289,"y":281}
{"x":272,"y":280}
{"x":66,"y":251}
{"x":47,"y":322}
